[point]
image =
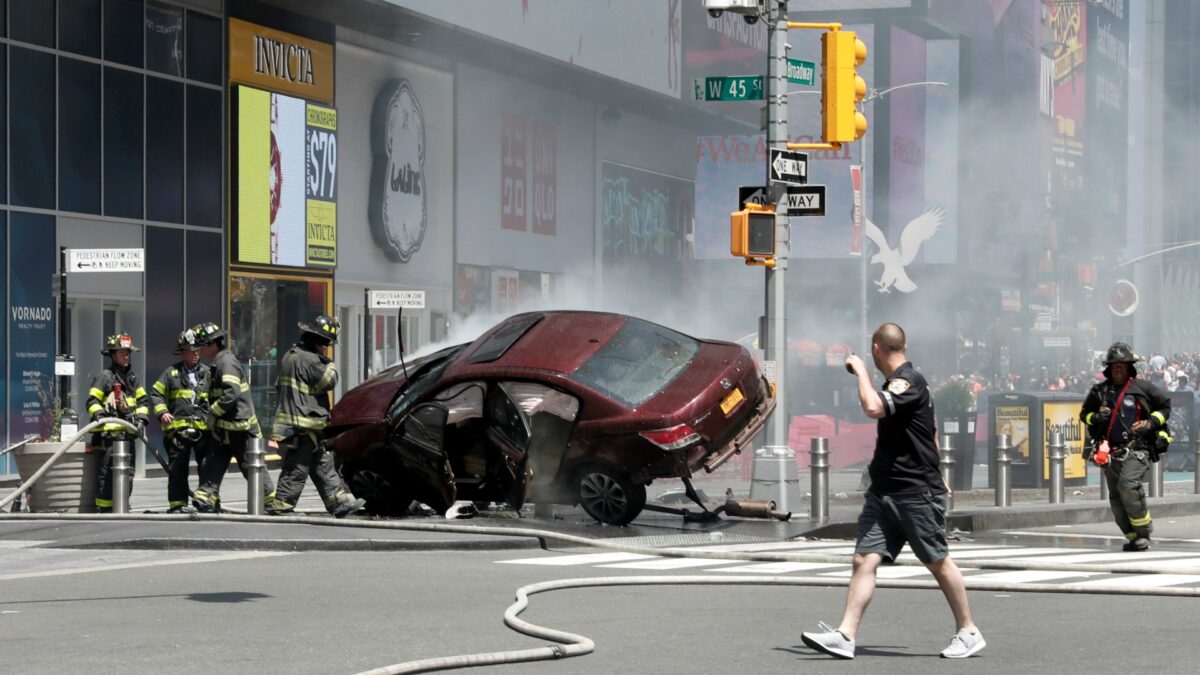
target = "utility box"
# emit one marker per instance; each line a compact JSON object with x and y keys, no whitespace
{"x":1028,"y":419}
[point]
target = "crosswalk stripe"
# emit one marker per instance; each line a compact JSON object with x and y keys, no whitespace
{"x":1123,"y":557}
{"x":884,"y":572}
{"x":1027,"y":576}
{"x":1143,"y":580}
{"x":670,"y":564}
{"x":994,"y":553}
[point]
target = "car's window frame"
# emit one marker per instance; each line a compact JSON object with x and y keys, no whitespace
{"x":503,"y":340}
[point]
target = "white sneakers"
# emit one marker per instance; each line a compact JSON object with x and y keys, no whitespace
{"x":964,"y":644}
{"x":830,"y":641}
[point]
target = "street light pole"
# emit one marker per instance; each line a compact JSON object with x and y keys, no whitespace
{"x":775,"y":328}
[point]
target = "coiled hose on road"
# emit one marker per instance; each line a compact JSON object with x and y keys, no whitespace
{"x":569,"y":644}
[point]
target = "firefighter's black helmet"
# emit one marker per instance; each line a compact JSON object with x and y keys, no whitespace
{"x":187,"y":341}
{"x":1120,"y":352}
{"x":324,"y":328}
{"x":207,"y":333}
{"x":119,"y":341}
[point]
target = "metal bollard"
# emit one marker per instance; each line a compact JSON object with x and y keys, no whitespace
{"x":1057,"y":457}
{"x":1196,"y":466}
{"x":256,"y":464}
{"x":1156,"y":478}
{"x":819,"y":464}
{"x":120,"y":476}
{"x":1003,"y":469}
{"x":947,"y":465}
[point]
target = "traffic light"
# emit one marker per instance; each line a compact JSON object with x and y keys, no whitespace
{"x":752,"y":233}
{"x":841,"y":86}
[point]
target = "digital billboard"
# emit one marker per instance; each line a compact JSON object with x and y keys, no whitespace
{"x":284,"y":180}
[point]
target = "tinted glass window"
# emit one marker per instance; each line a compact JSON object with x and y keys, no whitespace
{"x":79,"y":136}
{"x":637,"y":362}
{"x":123,"y":31}
{"x":205,"y":270}
{"x":32,"y":130}
{"x":32,"y":21}
{"x":122,"y":143}
{"x":164,"y":38}
{"x":203,"y":48}
{"x":79,"y":26}
{"x":3,"y":124}
{"x":164,"y":150}
{"x":164,"y":297}
{"x":203,"y":156}
{"x":501,"y":340}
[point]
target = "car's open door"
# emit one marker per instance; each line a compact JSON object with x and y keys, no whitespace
{"x":419,"y":441}
{"x":508,"y":434}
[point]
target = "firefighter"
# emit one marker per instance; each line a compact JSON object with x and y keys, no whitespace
{"x":115,"y":392}
{"x":180,"y":398}
{"x":233,"y":419}
{"x":1126,"y":419}
{"x":306,"y":378}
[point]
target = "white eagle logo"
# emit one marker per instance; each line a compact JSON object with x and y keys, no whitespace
{"x":918,"y":231}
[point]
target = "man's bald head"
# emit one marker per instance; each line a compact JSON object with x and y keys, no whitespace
{"x":890,"y":338}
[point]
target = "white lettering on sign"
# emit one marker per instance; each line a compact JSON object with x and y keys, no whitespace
{"x":106,"y":260}
{"x":799,"y":201}
{"x":397,"y":300}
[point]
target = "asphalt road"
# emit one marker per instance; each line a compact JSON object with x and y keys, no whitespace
{"x":141,"y":611}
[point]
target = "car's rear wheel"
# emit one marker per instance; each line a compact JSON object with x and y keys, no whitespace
{"x":610,"y":497}
{"x":381,"y":490}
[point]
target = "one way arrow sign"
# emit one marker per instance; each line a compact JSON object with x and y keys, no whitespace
{"x":805,"y":200}
{"x":788,"y":166}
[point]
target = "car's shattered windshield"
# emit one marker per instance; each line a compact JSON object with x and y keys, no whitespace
{"x":637,"y":362}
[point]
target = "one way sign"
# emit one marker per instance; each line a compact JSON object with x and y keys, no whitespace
{"x":805,"y":200}
{"x":788,"y":166}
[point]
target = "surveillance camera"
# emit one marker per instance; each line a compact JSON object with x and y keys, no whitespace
{"x":749,"y":9}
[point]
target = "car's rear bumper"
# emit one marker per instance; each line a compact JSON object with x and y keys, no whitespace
{"x":744,"y":436}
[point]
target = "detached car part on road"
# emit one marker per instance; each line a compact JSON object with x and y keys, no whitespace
{"x":560,"y":407}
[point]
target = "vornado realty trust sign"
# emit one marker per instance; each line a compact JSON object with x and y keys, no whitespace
{"x":280,"y":61}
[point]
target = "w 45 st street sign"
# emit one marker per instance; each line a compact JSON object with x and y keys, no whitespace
{"x":729,"y":88}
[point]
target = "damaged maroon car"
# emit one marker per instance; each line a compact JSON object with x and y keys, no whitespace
{"x":564,"y":407}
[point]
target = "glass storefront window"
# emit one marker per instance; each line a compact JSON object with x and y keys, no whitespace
{"x":264,"y":312}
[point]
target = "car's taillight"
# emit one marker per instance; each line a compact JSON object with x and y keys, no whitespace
{"x":673,"y":438}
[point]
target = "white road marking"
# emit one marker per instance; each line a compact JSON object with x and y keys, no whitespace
{"x":779,"y":567}
{"x":1027,"y":576}
{"x":1142,"y":580}
{"x":1121,"y":557}
{"x":21,"y":543}
{"x":885,"y":572}
{"x":1003,"y":553}
{"x":218,"y":557}
{"x":671,"y":564}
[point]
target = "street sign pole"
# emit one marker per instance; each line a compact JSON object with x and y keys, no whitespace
{"x":366,"y":354}
{"x":775,"y":325}
{"x":64,"y":382}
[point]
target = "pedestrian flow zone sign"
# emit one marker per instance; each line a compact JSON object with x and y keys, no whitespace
{"x":106,"y":260}
{"x":397,"y":299}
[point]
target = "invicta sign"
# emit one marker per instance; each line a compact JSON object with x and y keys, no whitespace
{"x":279,"y":61}
{"x":283,"y":60}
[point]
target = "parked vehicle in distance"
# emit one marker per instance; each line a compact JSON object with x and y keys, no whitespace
{"x":565,"y":407}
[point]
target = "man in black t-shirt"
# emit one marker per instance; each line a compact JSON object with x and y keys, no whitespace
{"x":907,"y":500}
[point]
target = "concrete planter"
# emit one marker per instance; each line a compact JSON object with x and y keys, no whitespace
{"x":68,"y":487}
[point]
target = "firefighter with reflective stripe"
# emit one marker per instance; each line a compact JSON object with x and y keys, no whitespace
{"x":233,"y":422}
{"x":1126,"y":419}
{"x":180,"y":399}
{"x":115,"y":392}
{"x":306,"y":378}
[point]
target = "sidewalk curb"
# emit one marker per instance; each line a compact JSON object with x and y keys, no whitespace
{"x":303,"y":545}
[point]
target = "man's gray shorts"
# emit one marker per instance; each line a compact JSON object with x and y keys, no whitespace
{"x":889,"y":521}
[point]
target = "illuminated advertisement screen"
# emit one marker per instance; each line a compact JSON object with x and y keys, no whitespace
{"x":285,"y":180}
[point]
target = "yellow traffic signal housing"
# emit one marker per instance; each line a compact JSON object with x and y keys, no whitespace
{"x":752,"y":233}
{"x":842,"y":87}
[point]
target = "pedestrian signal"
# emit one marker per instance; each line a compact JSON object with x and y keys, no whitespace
{"x":752,"y":234}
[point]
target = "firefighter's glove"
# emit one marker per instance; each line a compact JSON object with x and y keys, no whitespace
{"x":1141,"y":427}
{"x":1103,"y":415}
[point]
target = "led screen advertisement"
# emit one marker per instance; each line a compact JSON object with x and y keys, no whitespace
{"x":284,"y":180}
